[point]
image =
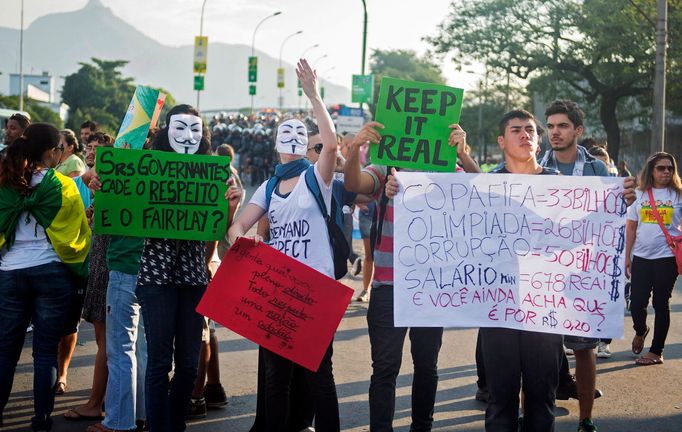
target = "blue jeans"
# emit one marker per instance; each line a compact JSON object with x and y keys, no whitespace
{"x":41,"y":294}
{"x":509,"y":355}
{"x":173,"y":330}
{"x":387,"y":353}
{"x":126,"y":353}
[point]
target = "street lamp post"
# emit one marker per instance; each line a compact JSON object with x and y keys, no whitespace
{"x":201,"y":33}
{"x":253,"y":41}
{"x":364,"y":37}
{"x":324,"y":77}
{"x":21,"y":60}
{"x":324,"y":56}
{"x":281,"y":49}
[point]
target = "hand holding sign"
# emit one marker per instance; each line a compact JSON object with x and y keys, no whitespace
{"x":458,"y":138}
{"x":368,"y":134}
{"x":392,"y":185}
{"x":417,"y":116}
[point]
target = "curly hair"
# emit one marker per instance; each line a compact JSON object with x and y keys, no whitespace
{"x":25,"y":154}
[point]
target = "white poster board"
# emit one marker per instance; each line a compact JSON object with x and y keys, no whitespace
{"x":349,"y":124}
{"x":531,"y":252}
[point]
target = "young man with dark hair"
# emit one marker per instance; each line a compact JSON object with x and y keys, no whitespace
{"x":565,"y":127}
{"x":509,"y":355}
{"x":88,"y":128}
{"x":385,"y":338}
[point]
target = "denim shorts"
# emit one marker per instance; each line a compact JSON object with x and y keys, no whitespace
{"x":577,"y":343}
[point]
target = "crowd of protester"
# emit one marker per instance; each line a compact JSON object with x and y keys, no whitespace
{"x":140,"y":294}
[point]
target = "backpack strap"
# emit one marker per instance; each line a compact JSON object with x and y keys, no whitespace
{"x":379,"y":216}
{"x":314,"y":188}
{"x":270,"y":189}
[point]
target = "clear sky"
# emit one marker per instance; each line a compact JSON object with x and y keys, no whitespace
{"x":336,"y":25}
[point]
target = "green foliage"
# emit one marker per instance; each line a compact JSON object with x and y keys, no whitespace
{"x":98,"y":91}
{"x":38,"y":112}
{"x":604,"y":50}
{"x":402,"y":64}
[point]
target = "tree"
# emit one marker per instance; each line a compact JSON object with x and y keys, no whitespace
{"x":402,"y":64}
{"x":38,"y":112}
{"x":603,"y":49}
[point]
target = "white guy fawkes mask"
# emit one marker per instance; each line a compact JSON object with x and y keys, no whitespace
{"x":292,"y":138}
{"x":184,"y":133}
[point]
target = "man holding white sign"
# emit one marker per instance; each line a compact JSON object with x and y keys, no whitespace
{"x":386,"y":337}
{"x":524,"y":258}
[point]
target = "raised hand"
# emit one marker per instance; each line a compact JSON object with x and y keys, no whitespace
{"x":308,"y":78}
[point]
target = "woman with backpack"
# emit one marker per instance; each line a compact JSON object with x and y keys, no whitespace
{"x":292,"y":203}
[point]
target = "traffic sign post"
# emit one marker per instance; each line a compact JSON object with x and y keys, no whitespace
{"x":252,"y":89}
{"x":200,"y":54}
{"x":253,"y":69}
{"x":198,"y":82}
{"x":280,"y":78}
{"x":363,"y":88}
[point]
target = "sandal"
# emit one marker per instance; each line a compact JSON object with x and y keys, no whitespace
{"x":61,"y":388}
{"x":648,"y":361}
{"x":638,"y":341}
{"x":99,"y":427}
{"x":74,"y":415}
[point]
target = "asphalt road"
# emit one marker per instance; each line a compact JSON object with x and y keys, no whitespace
{"x":635,"y":398}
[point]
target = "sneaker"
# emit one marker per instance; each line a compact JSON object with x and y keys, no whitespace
{"x":29,"y":329}
{"x":357,"y":266}
{"x":568,"y":351}
{"x":363,"y":297}
{"x":603,"y":350}
{"x":586,"y":425}
{"x":215,"y":396}
{"x":197,"y":408}
{"x":481,"y":394}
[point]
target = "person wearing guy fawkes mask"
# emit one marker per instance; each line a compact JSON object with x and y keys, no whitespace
{"x":172,"y":279}
{"x":283,"y":209}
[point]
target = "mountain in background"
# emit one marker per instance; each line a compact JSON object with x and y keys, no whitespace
{"x":56,"y":43}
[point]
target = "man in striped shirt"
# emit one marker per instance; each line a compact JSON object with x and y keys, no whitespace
{"x":387,"y":340}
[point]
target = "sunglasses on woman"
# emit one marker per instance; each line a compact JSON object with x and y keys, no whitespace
{"x":661,"y":168}
{"x":317,"y":148}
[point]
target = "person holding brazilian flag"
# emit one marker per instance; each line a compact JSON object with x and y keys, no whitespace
{"x":44,"y":243}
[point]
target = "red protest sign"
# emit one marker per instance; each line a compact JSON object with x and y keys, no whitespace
{"x":276,"y":302}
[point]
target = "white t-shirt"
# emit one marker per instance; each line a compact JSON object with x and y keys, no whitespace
{"x":31,"y":247}
{"x":650,"y":242}
{"x":297,"y":227}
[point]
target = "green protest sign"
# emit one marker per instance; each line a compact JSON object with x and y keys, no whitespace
{"x":362,"y":90}
{"x":161,"y":194}
{"x":416,"y":117}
